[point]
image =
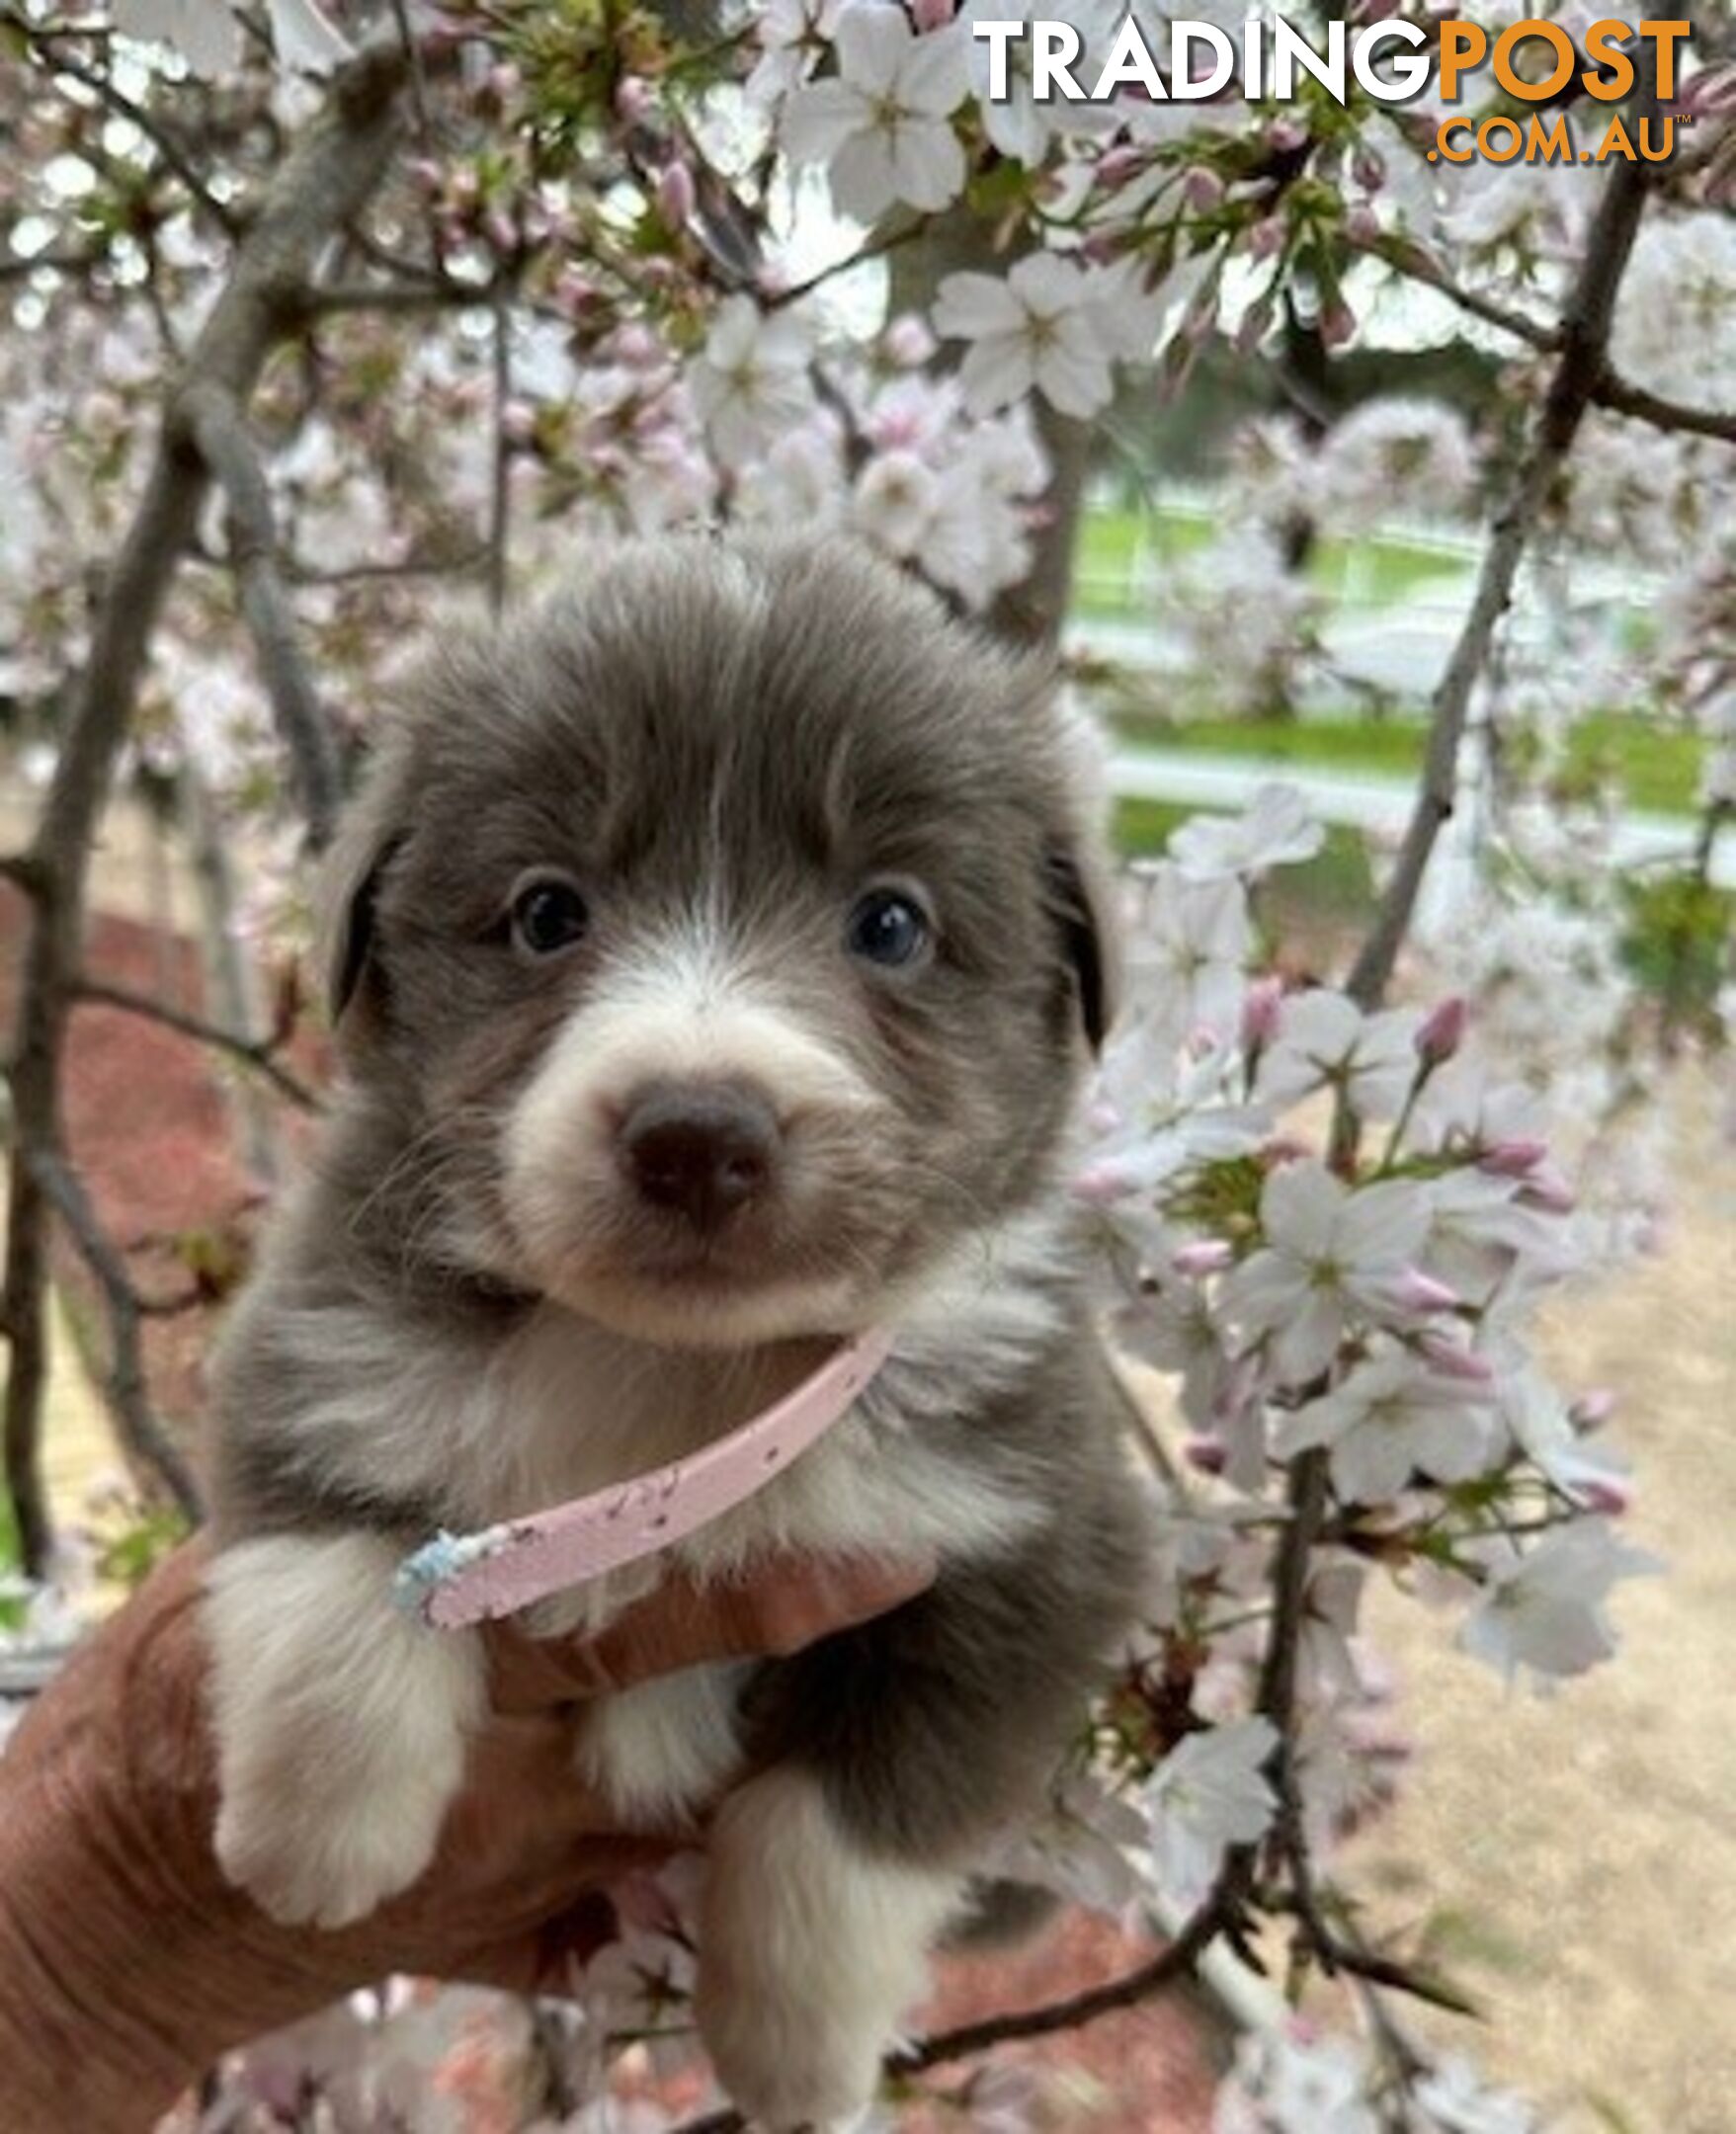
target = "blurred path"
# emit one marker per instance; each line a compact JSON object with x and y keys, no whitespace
{"x":1582,"y":1849}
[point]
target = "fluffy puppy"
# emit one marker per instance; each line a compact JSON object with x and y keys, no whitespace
{"x":719,"y":954}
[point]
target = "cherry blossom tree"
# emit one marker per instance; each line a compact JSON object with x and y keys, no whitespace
{"x":318,"y":318}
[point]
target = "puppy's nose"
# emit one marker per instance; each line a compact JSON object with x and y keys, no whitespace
{"x":702,"y":1153}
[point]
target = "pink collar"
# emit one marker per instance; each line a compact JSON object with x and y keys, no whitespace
{"x":459,"y":1579}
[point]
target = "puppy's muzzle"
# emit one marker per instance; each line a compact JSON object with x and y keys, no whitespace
{"x":699,"y":1151}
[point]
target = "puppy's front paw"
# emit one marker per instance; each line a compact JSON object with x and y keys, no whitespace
{"x":340,"y":1726}
{"x":329,"y":1862}
{"x":810,"y":1950}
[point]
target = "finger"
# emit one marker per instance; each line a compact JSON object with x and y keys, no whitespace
{"x":791,"y":1603}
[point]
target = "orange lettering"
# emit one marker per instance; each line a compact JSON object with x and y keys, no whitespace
{"x":1558,"y":41}
{"x":1666,"y":36}
{"x":1463,"y":45}
{"x":1603,"y":44}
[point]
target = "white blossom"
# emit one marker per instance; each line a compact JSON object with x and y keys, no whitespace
{"x":1189,"y":963}
{"x":752,"y":382}
{"x":1208,"y":1793}
{"x":1457,"y":2101}
{"x":1289,"y":2081}
{"x":1276,"y":829}
{"x":1543,"y":1610}
{"x":1387,"y":1418}
{"x":882,"y":125}
{"x":1035,"y":330}
{"x":894,"y":502}
{"x":790,"y":33}
{"x":1328,"y":1251}
{"x":1325,"y":1040}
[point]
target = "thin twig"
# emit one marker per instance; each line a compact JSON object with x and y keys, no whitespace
{"x":129,"y":1399}
{"x":257,"y":1053}
{"x":500,"y":502}
{"x":317,"y":190}
{"x":215,"y":422}
{"x":174,"y":157}
{"x":1173,"y":1962}
{"x":1607,"y":388}
{"x":1584,"y":344}
{"x":1620,"y":398}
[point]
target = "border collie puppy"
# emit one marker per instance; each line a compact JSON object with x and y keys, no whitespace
{"x":718,"y":957}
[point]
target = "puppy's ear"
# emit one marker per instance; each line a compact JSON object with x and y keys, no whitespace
{"x":1078,"y":880}
{"x":373,"y":830}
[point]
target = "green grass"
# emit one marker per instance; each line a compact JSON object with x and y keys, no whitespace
{"x":11,"y":1612}
{"x":1655,"y":767}
{"x":1381,"y":568}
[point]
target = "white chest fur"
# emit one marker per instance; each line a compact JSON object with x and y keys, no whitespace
{"x":561,"y":1407}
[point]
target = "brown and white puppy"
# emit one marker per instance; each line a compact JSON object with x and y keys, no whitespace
{"x":718,"y":955}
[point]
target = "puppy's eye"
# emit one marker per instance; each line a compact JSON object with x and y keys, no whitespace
{"x":549,"y":916}
{"x":887,"y":928}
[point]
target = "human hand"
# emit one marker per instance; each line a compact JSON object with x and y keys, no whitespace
{"x":128,"y":1963}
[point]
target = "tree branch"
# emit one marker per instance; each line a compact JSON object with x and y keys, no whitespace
{"x":1172,"y":1963}
{"x":1620,"y":398}
{"x":129,"y":1402}
{"x":258,"y":1053}
{"x":174,"y":157}
{"x":215,"y":423}
{"x":318,"y":190}
{"x":1608,"y":389}
{"x":1584,"y":341}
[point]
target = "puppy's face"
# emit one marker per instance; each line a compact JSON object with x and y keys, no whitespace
{"x":721,"y":942}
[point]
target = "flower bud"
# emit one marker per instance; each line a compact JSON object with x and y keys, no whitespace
{"x":1101,"y":1184}
{"x":1206,"y":1454}
{"x":1202,"y":1256}
{"x":1451,"y":1360}
{"x":1593,"y":1409}
{"x":632,"y":98}
{"x":1261,"y":1005}
{"x":1363,"y":225}
{"x":1414,"y":1291}
{"x":1121,"y":164}
{"x":1201,"y":187}
{"x":907,"y":341}
{"x":1287,"y":135}
{"x":1442,"y":1031}
{"x":1512,"y":1158}
{"x":675,"y":194}
{"x":1369,"y":169}
{"x":1608,"y":1494}
{"x":1545,"y":1188}
{"x":1338,"y":323}
{"x":518,"y":422}
{"x":1266,"y":239}
{"x":932,"y":14}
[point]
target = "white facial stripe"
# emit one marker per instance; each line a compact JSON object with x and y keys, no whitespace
{"x":685,"y":1009}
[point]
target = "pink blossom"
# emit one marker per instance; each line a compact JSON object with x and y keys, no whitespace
{"x":1442,"y":1031}
{"x":675,"y":194}
{"x":1260,"y":1012}
{"x":1202,"y":1256}
{"x":1266,"y":238}
{"x":1201,"y":187}
{"x":1512,"y":1158}
{"x":1121,"y":164}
